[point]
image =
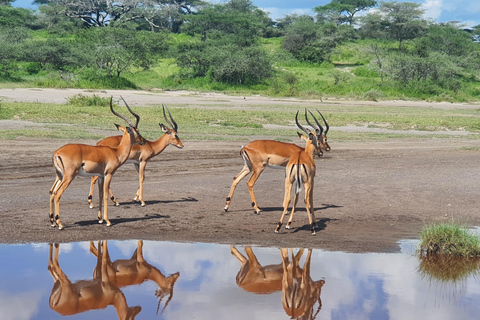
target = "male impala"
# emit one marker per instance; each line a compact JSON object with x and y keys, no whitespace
{"x":299,"y":292}
{"x":255,"y":278}
{"x":300,"y":173}
{"x":141,"y":154}
{"x":259,"y":154}
{"x":85,"y":160}
{"x":136,"y":270}
{"x":69,"y":298}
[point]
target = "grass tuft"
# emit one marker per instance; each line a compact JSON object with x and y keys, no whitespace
{"x":449,"y":239}
{"x":448,"y":268}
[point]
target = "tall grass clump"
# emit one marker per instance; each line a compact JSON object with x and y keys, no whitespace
{"x":449,"y":239}
{"x":88,"y":101}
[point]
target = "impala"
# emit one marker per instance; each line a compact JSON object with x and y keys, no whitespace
{"x":136,"y":270}
{"x":259,"y":154}
{"x":141,"y":154}
{"x":300,"y":173}
{"x":69,"y":298}
{"x":255,"y":278}
{"x":299,"y":292}
{"x":85,"y":160}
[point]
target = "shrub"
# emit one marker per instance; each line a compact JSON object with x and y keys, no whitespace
{"x":88,"y":101}
{"x":449,"y":239}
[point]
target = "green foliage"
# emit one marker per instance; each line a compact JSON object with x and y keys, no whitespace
{"x":11,"y":17}
{"x":87,"y":101}
{"x":449,"y":239}
{"x":365,"y":72}
{"x":448,"y":269}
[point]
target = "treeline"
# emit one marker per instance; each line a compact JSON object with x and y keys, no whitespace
{"x":100,"y":44}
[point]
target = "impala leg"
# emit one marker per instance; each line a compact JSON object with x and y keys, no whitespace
{"x":240,"y":257}
{"x":106,"y":188}
{"x":250,"y":183}
{"x":309,"y":206}
{"x":101,"y":186}
{"x":290,"y":220}
{"x":52,"y":201}
{"x":57,"y":194}
{"x":242,"y":174}
{"x":141,"y":178}
{"x":92,"y":188}
{"x":315,"y":224}
{"x":286,"y":202}
{"x":112,"y":197}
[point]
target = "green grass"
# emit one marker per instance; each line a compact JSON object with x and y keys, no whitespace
{"x":448,"y":269}
{"x":449,"y":239}
{"x":221,"y":121}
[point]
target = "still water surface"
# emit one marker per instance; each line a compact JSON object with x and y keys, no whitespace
{"x":208,"y":281}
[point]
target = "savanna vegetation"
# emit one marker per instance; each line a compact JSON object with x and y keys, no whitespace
{"x":343,"y":50}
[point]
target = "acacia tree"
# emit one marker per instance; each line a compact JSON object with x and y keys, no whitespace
{"x":403,"y":20}
{"x":227,"y":48}
{"x":98,"y":13}
{"x":342,"y":11}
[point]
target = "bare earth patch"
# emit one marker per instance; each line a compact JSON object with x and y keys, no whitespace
{"x":367,"y":195}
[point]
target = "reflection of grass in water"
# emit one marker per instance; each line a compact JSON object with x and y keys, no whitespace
{"x":448,"y":268}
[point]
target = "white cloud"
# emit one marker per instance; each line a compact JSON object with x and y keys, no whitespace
{"x":433,"y":9}
{"x":21,"y":306}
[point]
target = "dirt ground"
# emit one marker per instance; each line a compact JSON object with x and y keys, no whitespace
{"x":367,"y":196}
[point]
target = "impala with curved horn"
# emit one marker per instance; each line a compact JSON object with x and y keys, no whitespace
{"x":85,"y":160}
{"x":300,"y":173}
{"x":69,"y":298}
{"x":299,"y":292}
{"x":259,"y":154}
{"x":141,"y":154}
{"x":136,"y":270}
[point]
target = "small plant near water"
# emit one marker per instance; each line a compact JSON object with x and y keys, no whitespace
{"x":449,"y":239}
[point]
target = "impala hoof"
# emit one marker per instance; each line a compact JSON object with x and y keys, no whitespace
{"x":288,"y":227}
{"x":226,"y":209}
{"x":100,"y":221}
{"x":91,"y":206}
{"x":143,"y":204}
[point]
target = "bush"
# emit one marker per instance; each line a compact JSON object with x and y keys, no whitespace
{"x":365,"y":72}
{"x":88,"y":101}
{"x":449,"y":239}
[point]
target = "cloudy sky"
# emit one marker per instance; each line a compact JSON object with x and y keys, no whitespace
{"x":466,"y":11}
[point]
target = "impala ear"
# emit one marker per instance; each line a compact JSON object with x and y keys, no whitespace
{"x":121,"y":128}
{"x":164,"y":128}
{"x":301,"y":136}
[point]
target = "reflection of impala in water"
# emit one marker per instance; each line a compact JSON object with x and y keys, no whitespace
{"x":108,"y":277}
{"x":299,"y":292}
{"x":127,"y":272}
{"x":69,"y":298}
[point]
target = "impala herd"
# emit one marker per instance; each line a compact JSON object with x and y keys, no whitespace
{"x":101,"y":161}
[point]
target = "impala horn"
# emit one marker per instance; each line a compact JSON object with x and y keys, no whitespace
{"x":326,"y":124}
{"x":172,"y":124}
{"x":300,"y":126}
{"x":131,"y":111}
{"x":318,"y":128}
{"x":119,"y":115}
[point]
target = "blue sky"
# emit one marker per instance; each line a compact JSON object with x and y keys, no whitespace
{"x":466,"y":11}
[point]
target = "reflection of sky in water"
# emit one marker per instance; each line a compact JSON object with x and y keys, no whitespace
{"x":357,"y":286}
